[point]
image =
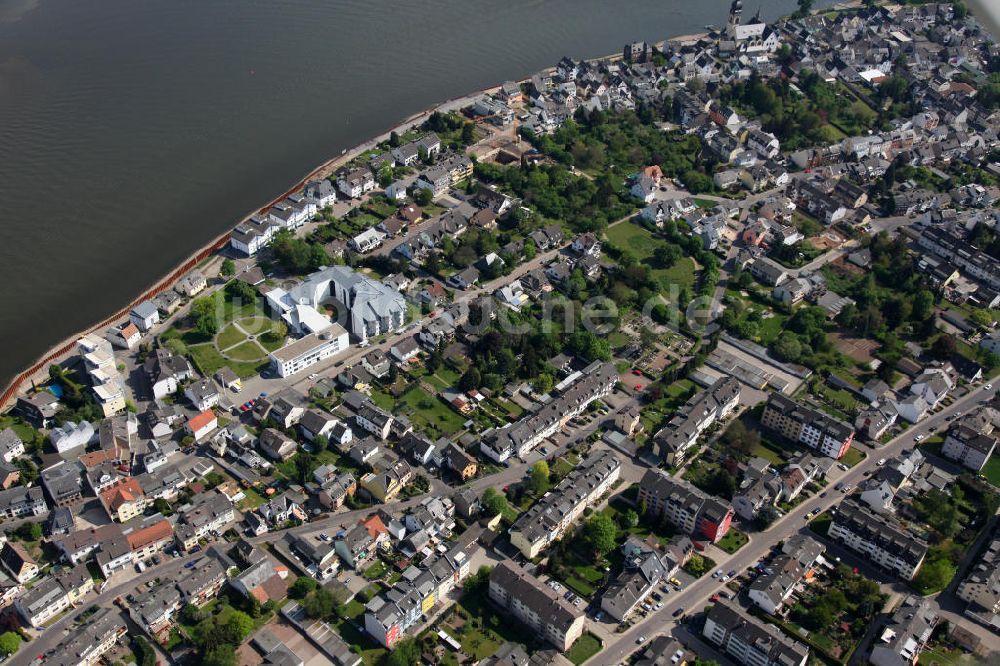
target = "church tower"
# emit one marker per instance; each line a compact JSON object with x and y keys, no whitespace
{"x":735,"y":16}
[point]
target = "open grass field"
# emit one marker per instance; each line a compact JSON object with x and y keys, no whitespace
{"x":641,"y":243}
{"x":992,"y":470}
{"x":585,"y":647}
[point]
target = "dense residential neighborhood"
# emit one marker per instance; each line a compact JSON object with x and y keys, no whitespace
{"x":682,"y":356}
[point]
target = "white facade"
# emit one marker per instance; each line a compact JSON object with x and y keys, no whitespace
{"x":308,"y":351}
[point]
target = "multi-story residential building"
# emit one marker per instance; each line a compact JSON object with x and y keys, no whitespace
{"x":11,"y":446}
{"x":90,"y":641}
{"x":209,"y":514}
{"x":386,"y":482}
{"x":250,"y":236}
{"x":981,"y":586}
{"x":770,"y":590}
{"x":536,"y":605}
{"x":154,"y":609}
{"x":124,"y":499}
{"x":374,"y":419}
{"x":879,"y":537}
{"x":20,"y":501}
{"x":547,"y":520}
{"x":645,"y":566}
{"x":750,"y":641}
{"x":968,"y":446}
{"x":689,"y":509}
{"x":808,"y":426}
{"x":53,"y":595}
{"x":18,"y":562}
{"x":906,"y":634}
{"x":703,"y":409}
{"x":594,"y":382}
{"x":150,"y":540}
{"x":201,"y":583}
{"x":420,"y":589}
{"x":63,"y":482}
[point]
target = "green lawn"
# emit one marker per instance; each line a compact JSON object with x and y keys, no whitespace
{"x":207,"y":359}
{"x":253,"y":499}
{"x":991,"y":470}
{"x":942,"y":656}
{"x":23,"y":430}
{"x":376,"y":571}
{"x":641,"y":244}
{"x":705,"y":203}
{"x":585,"y":647}
{"x":682,"y":273}
{"x":768,"y":454}
{"x":634,"y":239}
{"x":771,"y":328}
{"x":853,"y":457}
{"x":229,"y":336}
{"x":248,"y":351}
{"x":821,"y":524}
{"x":733,"y":541}
{"x":428,"y":411}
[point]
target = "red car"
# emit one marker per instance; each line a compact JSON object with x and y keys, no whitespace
{"x":637,"y":372}
{"x":638,"y":387}
{"x":714,"y":597}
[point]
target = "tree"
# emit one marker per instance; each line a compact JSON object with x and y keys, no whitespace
{"x":539,"y":478}
{"x":601,"y":533}
{"x":220,"y":655}
{"x":494,"y":502}
{"x":304,"y":466}
{"x":804,"y":8}
{"x":191,"y":614}
{"x":27,"y":469}
{"x":319,"y":604}
{"x":423,"y":197}
{"x":228,"y":268}
{"x":472,"y":379}
{"x":302,"y":586}
{"x":405,"y":653}
{"x":9,"y":642}
{"x":29,"y":532}
{"x":944,"y":347}
{"x":631,"y":518}
{"x":237,"y":627}
{"x":394,"y":138}
{"x":696,"y":565}
{"x":468,"y":137}
{"x":144,"y":651}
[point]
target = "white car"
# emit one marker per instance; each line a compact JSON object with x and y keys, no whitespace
{"x":640,"y":640}
{"x":988,"y":387}
{"x":314,"y":375}
{"x":918,"y":438}
{"x":881,"y":461}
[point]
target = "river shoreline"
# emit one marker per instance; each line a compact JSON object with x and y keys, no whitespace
{"x":36,"y":371}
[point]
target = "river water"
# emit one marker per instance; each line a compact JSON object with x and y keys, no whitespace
{"x":131,"y":133}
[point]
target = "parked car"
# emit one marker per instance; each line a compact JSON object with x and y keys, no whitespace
{"x":678,"y":612}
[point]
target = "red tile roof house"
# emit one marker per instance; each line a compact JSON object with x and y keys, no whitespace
{"x":202,"y":424}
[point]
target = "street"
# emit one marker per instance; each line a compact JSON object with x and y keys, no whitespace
{"x":694,"y":597}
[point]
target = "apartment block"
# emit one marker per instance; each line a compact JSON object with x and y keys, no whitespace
{"x":592,"y":383}
{"x":536,"y":605}
{"x":675,"y":440}
{"x":689,"y":509}
{"x":879,"y":538}
{"x":807,"y":426}
{"x":547,"y":520}
{"x":750,"y":641}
